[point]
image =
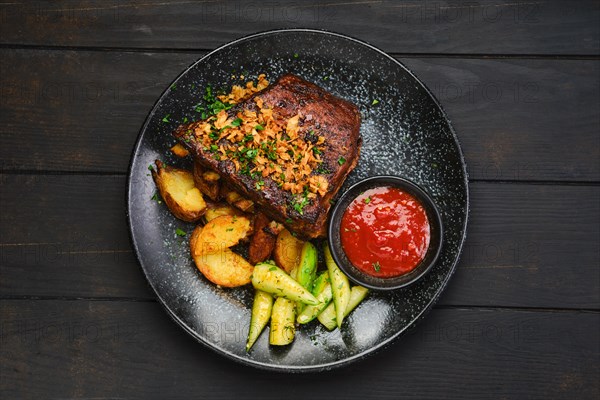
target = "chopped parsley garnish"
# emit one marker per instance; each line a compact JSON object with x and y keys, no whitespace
{"x":341,"y":160}
{"x":185,"y":120}
{"x":150,"y":167}
{"x":236,"y":122}
{"x":260,"y":184}
{"x":375,"y":102}
{"x":288,"y":221}
{"x":367,"y":200}
{"x":173,"y":86}
{"x":214,"y":105}
{"x":251,"y":153}
{"x":376,"y":266}
{"x":259,"y":127}
{"x":273,"y":268}
{"x":271,"y":152}
{"x":156,"y":198}
{"x":299,"y":203}
{"x":180,"y":232}
{"x":322,"y":170}
{"x":214,"y":135}
{"x":295,"y":55}
{"x":166,"y":118}
{"x":316,"y":151}
{"x":228,"y":229}
{"x":218,"y":105}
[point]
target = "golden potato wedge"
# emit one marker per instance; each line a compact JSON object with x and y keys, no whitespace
{"x":287,"y":250}
{"x":245,"y":205}
{"x":179,"y":150}
{"x":221,"y":209}
{"x":224,"y":268}
{"x":237,"y":200}
{"x":230,"y":195}
{"x":211,"y":176}
{"x":220,"y":233}
{"x":176,"y":187}
{"x":261,"y":242}
{"x":210,"y":187}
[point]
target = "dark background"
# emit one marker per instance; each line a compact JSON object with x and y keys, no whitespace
{"x":520,"y":82}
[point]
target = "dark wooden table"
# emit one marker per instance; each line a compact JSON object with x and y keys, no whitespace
{"x":520,"y":82}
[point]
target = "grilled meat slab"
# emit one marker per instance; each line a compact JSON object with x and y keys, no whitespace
{"x":335,"y":119}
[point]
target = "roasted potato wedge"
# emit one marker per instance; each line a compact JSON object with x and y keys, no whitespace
{"x":287,"y":250}
{"x":176,"y":187}
{"x":237,"y":200}
{"x":219,"y":209}
{"x":262,"y":242}
{"x":224,"y":267}
{"x":245,"y":205}
{"x":180,"y":151}
{"x":220,"y":233}
{"x":210,"y":187}
{"x":211,"y":176}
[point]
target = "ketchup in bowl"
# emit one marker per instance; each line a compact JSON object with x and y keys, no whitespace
{"x":385,"y":232}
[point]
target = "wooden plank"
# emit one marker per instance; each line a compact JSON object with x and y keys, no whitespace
{"x":527,"y":245}
{"x":78,"y":108}
{"x":76,"y":242}
{"x":516,"y":119}
{"x":490,"y":27}
{"x":530,"y":244}
{"x":83,"y":349}
{"x":521,"y":120}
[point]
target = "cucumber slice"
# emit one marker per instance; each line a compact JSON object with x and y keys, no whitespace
{"x":339,"y":285}
{"x":272,"y":279}
{"x":283,"y":316}
{"x":261,"y":312}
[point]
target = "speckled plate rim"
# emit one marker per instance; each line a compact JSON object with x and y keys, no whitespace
{"x":337,"y":363}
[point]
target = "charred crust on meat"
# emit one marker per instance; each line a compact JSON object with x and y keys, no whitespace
{"x":326,"y":115}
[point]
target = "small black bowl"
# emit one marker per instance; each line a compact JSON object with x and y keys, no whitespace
{"x":435,"y":226}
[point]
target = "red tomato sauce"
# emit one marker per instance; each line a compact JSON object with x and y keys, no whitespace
{"x":385,"y":232}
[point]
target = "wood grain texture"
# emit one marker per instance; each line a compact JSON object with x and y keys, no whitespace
{"x":459,"y":27}
{"x":516,"y":119}
{"x":518,"y":78}
{"x":78,"y":243}
{"x":527,"y":245}
{"x":83,"y":349}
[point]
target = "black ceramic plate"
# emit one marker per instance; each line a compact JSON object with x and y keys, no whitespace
{"x":405,"y":132}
